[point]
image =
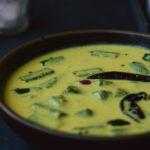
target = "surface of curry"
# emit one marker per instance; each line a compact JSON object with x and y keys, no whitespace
{"x":53,"y":90}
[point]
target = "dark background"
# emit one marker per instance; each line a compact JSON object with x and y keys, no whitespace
{"x":53,"y":16}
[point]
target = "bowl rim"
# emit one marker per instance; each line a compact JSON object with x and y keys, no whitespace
{"x":4,"y":108}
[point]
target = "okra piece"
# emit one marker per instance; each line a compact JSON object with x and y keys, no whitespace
{"x":39,"y":107}
{"x":118,"y":131}
{"x":138,"y":67}
{"x":35,"y":118}
{"x":25,"y":90}
{"x":103,"y":82}
{"x":104,"y":53}
{"x":49,"y":83}
{"x":56,"y":100}
{"x":52,"y":60}
{"x":41,"y":119}
{"x":28,"y":97}
{"x":32,"y":89}
{"x":37,"y":74}
{"x":87,"y":72}
{"x":146,"y":57}
{"x":80,"y":131}
{"x":118,"y":122}
{"x":53,"y":112}
{"x":57,"y":113}
{"x":86,"y":129}
{"x":84,"y":113}
{"x":121,"y":92}
{"x":102,"y":94}
{"x":72,"y":89}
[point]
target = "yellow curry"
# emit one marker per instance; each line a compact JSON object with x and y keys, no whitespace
{"x":63,"y":90}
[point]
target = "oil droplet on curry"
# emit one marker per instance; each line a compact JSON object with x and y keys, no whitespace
{"x":55,"y":90}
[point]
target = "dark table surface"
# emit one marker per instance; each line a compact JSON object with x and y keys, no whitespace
{"x":53,"y":16}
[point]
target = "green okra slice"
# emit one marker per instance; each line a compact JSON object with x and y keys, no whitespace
{"x":56,"y":100}
{"x":102,"y":82}
{"x":52,"y":60}
{"x":37,"y":74}
{"x":102,"y":94}
{"x":57,"y":113}
{"x":39,"y":107}
{"x":86,"y":129}
{"x":138,"y":67}
{"x":118,"y":131}
{"x":80,"y":131}
{"x":49,"y":83}
{"x":41,"y":119}
{"x":87,"y":72}
{"x":44,"y":109}
{"x":72,"y":89}
{"x":104,"y":53}
{"x":25,"y":90}
{"x":28,"y":96}
{"x":121,"y":92}
{"x":34,"y":118}
{"x":84,"y":113}
{"x":146,"y":57}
